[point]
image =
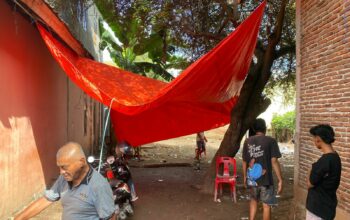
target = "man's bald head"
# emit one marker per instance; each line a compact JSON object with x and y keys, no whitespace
{"x":71,"y":150}
{"x":72,"y":161}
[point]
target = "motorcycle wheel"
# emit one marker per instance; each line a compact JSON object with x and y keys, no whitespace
{"x":122,"y":215}
{"x":129,"y":209}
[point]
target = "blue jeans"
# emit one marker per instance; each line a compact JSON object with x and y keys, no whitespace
{"x":132,"y":187}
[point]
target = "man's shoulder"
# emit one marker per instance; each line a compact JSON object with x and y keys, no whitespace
{"x":60,"y":181}
{"x":96,"y":176}
{"x":269,"y":137}
{"x":330,"y":157}
{"x":261,"y":137}
{"x":97,"y":179}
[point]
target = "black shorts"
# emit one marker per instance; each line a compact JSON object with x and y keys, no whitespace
{"x":201,"y":145}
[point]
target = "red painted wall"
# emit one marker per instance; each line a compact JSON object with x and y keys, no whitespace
{"x":33,"y":112}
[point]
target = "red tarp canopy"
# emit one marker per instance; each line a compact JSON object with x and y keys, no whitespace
{"x":145,"y":110}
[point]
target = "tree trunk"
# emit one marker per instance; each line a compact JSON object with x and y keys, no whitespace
{"x":251,"y":102}
{"x":242,"y":117}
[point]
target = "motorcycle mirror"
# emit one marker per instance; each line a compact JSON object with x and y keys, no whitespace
{"x":110,"y":160}
{"x":91,"y":159}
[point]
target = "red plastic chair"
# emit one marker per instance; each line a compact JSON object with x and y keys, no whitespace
{"x":225,"y":177}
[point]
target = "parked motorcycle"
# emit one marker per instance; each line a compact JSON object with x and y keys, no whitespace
{"x":118,"y":183}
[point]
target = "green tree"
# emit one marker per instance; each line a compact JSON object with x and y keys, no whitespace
{"x":283,"y":126}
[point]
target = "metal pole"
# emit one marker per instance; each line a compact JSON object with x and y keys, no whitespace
{"x":103,"y":136}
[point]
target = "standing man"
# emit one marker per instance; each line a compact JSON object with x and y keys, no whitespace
{"x":324,"y":177}
{"x":262,"y":152}
{"x":84,"y":193}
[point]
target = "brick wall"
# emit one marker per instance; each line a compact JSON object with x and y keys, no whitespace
{"x":323,"y":48}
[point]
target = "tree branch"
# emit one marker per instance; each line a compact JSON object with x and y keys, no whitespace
{"x":203,"y":34}
{"x":285,"y":50}
{"x":273,"y":40}
{"x":232,"y":13}
{"x":275,"y":37}
{"x":259,"y":49}
{"x":223,"y":25}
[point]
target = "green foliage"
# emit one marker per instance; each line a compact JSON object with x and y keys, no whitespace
{"x":144,"y":46}
{"x":164,"y":34}
{"x":283,"y":126}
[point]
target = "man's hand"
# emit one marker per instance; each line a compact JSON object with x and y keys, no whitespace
{"x":245,"y":183}
{"x":279,"y":187}
{"x":276,"y":167}
{"x":114,"y":217}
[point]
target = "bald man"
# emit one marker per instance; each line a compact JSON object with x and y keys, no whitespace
{"x":84,"y":193}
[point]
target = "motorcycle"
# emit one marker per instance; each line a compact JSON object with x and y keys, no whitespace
{"x":121,"y":191}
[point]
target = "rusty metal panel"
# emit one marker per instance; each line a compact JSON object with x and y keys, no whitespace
{"x":82,"y":19}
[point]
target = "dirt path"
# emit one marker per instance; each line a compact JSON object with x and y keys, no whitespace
{"x":171,"y":193}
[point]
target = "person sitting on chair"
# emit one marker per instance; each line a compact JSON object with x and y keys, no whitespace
{"x":120,"y":168}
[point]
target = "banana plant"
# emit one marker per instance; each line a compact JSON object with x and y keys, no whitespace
{"x":138,"y":49}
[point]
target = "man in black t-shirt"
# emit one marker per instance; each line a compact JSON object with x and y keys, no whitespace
{"x":324,"y":177}
{"x":261,"y":151}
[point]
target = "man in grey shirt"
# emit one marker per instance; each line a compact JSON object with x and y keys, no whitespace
{"x":84,"y":193}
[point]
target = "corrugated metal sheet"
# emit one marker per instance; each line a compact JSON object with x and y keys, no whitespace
{"x":82,"y":18}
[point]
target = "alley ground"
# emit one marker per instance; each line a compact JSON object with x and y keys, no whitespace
{"x":172,"y":192}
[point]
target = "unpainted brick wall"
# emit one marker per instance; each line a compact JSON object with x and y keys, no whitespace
{"x":325,"y":83}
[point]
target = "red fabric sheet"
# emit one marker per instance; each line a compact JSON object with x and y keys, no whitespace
{"x":146,"y":110}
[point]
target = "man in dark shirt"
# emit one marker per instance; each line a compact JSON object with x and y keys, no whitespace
{"x":324,"y":177}
{"x":263,"y":151}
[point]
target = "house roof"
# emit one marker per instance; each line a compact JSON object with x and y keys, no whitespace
{"x":53,"y":21}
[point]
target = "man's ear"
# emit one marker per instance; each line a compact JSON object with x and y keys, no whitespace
{"x":82,"y":160}
{"x":318,"y":140}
